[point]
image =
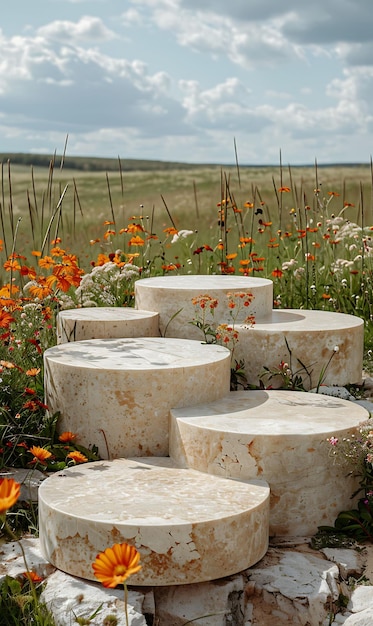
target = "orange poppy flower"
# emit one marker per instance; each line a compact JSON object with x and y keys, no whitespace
{"x":67,"y":436}
{"x":249,"y":205}
{"x":77,"y":457}
{"x":40,"y":455}
{"x":284,"y":190}
{"x":9,"y":494}
{"x":113,"y":566}
{"x":333,"y":193}
{"x":231,"y":256}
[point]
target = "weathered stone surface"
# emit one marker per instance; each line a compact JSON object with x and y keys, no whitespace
{"x":278,"y":436}
{"x":69,"y":598}
{"x":328,"y":344}
{"x":291,"y":585}
{"x":117,"y":393}
{"x":105,"y":323}
{"x":350,"y":562}
{"x":208,"y":604}
{"x":188,"y":526}
{"x":171,"y":295}
{"x":30,"y":480}
{"x":292,"y":588}
{"x":12,"y":562}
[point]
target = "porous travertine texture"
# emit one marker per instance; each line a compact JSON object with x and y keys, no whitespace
{"x":105,"y":323}
{"x":317,"y":346}
{"x":172,"y":297}
{"x":117,"y":393}
{"x":279,"y":436}
{"x":188,"y":526}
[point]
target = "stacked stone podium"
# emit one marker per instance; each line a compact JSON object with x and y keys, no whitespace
{"x":195,"y":476}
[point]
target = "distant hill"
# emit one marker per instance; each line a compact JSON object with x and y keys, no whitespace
{"x":94,"y":164}
{"x":101,"y":164}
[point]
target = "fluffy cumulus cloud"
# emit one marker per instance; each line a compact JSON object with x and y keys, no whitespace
{"x":178,"y":79}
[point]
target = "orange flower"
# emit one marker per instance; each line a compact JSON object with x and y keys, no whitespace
{"x":9,"y":494}
{"x":249,"y":205}
{"x":136,"y":241}
{"x":32,"y":576}
{"x":132,"y":228}
{"x":5,"y":319}
{"x":170,"y":230}
{"x":40,"y":454}
{"x":77,"y":457}
{"x":333,"y":193}
{"x":67,"y":436}
{"x":46,"y":262}
{"x":284,"y":190}
{"x":113,"y":566}
{"x":7,"y":364}
{"x":11,"y":265}
{"x":231,"y":256}
{"x":108,"y":233}
{"x":277,"y":273}
{"x":34,"y":371}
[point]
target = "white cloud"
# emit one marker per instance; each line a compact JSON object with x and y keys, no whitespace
{"x":111,"y":95}
{"x":88,"y":28}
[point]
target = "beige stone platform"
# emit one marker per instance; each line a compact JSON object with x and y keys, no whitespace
{"x":279,"y":436}
{"x":312,"y":337}
{"x":105,"y":323}
{"x":169,"y":294}
{"x":188,"y":526}
{"x":117,"y":393}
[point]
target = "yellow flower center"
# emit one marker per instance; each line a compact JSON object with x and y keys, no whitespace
{"x":120,"y":570}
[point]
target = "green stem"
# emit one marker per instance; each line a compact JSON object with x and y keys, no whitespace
{"x":126,"y":602}
{"x":12,"y":536}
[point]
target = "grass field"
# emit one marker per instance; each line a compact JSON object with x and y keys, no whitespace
{"x":191,"y":195}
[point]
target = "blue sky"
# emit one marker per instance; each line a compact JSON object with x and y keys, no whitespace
{"x":179,"y":80}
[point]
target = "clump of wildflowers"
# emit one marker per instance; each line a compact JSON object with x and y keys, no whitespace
{"x":110,"y":284}
{"x":356,"y":453}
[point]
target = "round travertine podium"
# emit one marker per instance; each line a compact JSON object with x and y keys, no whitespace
{"x":279,"y":436}
{"x":105,"y":323}
{"x":172,"y":296}
{"x":188,"y":526}
{"x":117,"y":393}
{"x":312,"y":337}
